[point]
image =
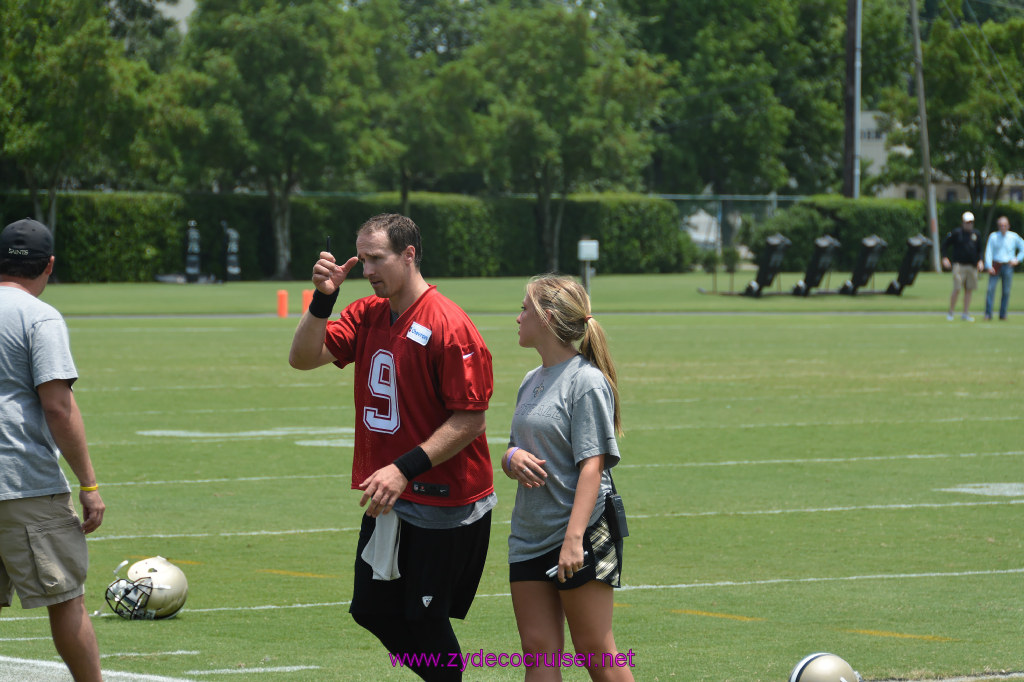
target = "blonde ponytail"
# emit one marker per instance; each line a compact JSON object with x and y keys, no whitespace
{"x":571,"y":321}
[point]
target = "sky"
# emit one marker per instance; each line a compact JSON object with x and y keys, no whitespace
{"x":179,"y":11}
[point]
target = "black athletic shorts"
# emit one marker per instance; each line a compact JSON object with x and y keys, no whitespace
{"x":604,"y":562}
{"x":440,"y":569}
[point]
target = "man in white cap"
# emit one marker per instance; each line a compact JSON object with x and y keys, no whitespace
{"x":963,"y":253}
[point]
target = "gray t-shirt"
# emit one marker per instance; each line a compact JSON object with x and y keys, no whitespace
{"x":564,"y":414}
{"x":430,"y":516}
{"x":34,"y":349}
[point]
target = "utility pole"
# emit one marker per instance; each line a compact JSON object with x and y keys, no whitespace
{"x":856,"y":101}
{"x":851,"y":137}
{"x":926,"y":159}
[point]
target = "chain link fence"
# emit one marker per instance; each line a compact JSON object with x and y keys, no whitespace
{"x":714,"y":221}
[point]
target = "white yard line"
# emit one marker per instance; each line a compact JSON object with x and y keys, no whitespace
{"x":253,"y":671}
{"x":987,"y":677}
{"x":21,"y":669}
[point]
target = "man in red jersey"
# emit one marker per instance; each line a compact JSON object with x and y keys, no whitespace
{"x":423,"y":380}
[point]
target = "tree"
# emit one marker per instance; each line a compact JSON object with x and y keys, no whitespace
{"x":567,"y":107}
{"x":732,"y":122}
{"x":728,"y":126}
{"x":758,"y":106}
{"x":1007,"y":41}
{"x":68,"y":94}
{"x":166,"y":124}
{"x":281,"y":85}
{"x":974,"y":100}
{"x":426,"y":106}
{"x":147,"y":33}
{"x":444,"y":29}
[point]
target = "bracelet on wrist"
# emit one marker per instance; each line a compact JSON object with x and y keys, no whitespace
{"x":88,"y":488}
{"x":321,"y":305}
{"x":413,"y":463}
{"x":506,"y":464}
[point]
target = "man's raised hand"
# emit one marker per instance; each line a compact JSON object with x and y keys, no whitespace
{"x":328,"y":275}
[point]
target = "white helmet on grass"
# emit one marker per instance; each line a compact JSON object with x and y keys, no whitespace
{"x":824,"y":667}
{"x":155,"y":589}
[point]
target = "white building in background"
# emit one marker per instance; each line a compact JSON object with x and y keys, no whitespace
{"x":872,"y":148}
{"x":872,"y":143}
{"x":704,"y":230}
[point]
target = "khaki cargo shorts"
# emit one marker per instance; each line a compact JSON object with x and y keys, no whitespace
{"x":43,"y":554}
{"x":965,"y":276}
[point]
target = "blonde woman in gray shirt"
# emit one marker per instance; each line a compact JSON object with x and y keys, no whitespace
{"x":561,"y":448}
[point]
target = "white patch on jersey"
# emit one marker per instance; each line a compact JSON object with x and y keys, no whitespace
{"x":418,"y":333}
{"x":427,"y":599}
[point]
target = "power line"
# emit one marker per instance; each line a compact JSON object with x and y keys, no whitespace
{"x":1004,"y":5}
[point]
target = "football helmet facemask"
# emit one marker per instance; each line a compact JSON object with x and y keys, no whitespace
{"x":155,"y":589}
{"x":824,"y":667}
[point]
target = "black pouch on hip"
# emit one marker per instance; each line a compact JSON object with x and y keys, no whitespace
{"x":615,"y":513}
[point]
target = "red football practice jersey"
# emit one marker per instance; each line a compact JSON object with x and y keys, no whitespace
{"x":409,"y":378}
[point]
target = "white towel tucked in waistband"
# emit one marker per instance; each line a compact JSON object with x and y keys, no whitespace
{"x":381,"y":552}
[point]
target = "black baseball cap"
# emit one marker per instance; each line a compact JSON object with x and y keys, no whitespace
{"x":26,"y":239}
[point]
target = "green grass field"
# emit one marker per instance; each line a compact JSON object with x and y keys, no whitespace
{"x":847,"y":481}
{"x":611,"y":293}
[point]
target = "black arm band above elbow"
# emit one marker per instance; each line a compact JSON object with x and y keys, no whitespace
{"x":322,"y":304}
{"x":413,"y":463}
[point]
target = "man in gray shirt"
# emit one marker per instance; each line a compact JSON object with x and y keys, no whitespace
{"x":43,"y":553}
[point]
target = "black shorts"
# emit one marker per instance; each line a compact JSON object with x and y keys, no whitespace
{"x":600,"y":546}
{"x":440,"y":569}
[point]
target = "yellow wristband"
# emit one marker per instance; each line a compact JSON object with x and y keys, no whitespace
{"x":88,"y":488}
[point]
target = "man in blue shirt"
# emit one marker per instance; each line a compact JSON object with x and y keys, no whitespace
{"x":1003,"y":252}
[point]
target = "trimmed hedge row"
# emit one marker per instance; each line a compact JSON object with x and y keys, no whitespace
{"x":459,"y":233}
{"x":636,"y":234}
{"x":104,"y":237}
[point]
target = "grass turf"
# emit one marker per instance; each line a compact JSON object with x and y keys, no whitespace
{"x":795,"y":482}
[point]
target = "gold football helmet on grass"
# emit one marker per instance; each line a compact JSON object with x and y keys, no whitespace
{"x":824,"y":667}
{"x":155,"y":589}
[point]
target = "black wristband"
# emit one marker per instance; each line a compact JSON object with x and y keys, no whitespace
{"x":413,"y":463}
{"x":322,"y":304}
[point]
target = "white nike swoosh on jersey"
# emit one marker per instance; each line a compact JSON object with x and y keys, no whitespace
{"x":467,"y":356}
